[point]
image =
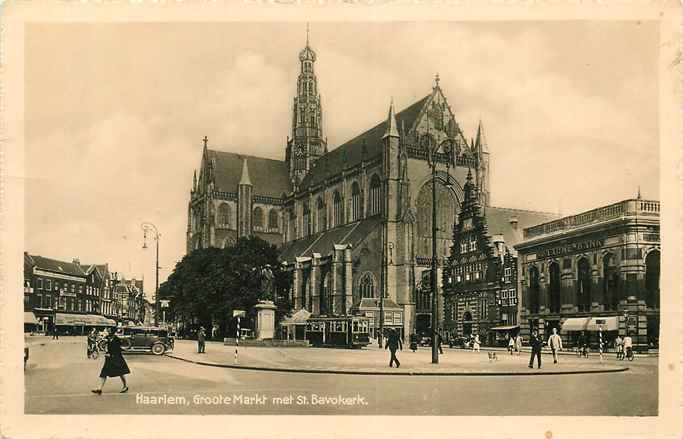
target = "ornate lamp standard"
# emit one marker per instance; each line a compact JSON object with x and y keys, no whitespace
{"x":433,"y":157}
{"x":147,"y":226}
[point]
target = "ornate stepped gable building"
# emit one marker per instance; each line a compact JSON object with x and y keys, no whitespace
{"x":354,"y":221}
{"x":480,"y":276}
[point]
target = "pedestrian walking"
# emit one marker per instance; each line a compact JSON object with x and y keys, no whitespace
{"x":201,"y":341}
{"x":536,"y":346}
{"x":476,"y":344}
{"x":438,"y":342}
{"x":413,"y":342}
{"x":393,"y":343}
{"x":55,"y":332}
{"x":619,"y":347}
{"x":511,"y":344}
{"x":555,"y":343}
{"x":518,"y":344}
{"x":114,"y":364}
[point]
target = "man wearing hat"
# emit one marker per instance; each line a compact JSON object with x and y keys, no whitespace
{"x":201,"y":340}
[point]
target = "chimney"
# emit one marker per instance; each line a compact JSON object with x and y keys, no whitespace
{"x":513,"y":222}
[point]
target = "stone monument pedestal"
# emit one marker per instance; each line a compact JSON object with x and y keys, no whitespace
{"x":265,"y":320}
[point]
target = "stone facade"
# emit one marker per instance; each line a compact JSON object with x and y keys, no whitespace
{"x":597,"y":264}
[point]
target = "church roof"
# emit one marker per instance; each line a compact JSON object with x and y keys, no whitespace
{"x":323,"y":242}
{"x":498,"y":222}
{"x":352,"y":151}
{"x":269,"y":177}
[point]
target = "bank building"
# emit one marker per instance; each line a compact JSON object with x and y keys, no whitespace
{"x":595,"y":271}
{"x":353,"y":221}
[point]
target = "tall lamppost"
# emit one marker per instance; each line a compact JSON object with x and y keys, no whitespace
{"x":434,"y":156}
{"x":149,"y":227}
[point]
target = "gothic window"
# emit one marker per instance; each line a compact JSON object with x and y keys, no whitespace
{"x":224,"y":215}
{"x":337,"y":210}
{"x":367,"y":285}
{"x":321,"y":216}
{"x":272,"y":220}
{"x":307,"y":219}
{"x":446,"y":213}
{"x":258,"y":218}
{"x":355,"y":202}
{"x":375,"y":195}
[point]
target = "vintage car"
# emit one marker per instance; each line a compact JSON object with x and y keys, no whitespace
{"x":145,"y":339}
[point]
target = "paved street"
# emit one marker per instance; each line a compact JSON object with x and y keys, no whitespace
{"x":59,"y":378}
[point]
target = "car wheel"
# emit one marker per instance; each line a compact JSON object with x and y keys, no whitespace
{"x":158,"y":349}
{"x":126,"y":344}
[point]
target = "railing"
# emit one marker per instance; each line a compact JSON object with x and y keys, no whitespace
{"x":617,"y":210}
{"x":415,"y":152}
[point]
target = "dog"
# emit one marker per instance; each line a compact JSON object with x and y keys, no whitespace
{"x":493,"y":357}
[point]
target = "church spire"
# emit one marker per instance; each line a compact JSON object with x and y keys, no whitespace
{"x":307,"y":142}
{"x":245,"y":180}
{"x":392,"y":126}
{"x":480,"y":143}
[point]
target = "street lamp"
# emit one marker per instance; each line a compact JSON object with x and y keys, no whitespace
{"x":429,"y":144}
{"x":149,"y":227}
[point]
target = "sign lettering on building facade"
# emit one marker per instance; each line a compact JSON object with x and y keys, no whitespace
{"x":569,"y":248}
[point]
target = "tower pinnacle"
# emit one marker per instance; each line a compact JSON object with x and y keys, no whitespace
{"x":245,"y":180}
{"x":392,"y":126}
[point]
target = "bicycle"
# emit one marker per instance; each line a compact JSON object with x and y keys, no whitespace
{"x":630,"y":356}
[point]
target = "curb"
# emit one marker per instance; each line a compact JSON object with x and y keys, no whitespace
{"x":367,"y":372}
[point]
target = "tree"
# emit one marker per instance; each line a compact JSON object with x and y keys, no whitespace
{"x":208,"y":284}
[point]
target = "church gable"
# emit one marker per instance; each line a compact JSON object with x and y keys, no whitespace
{"x":436,"y":118}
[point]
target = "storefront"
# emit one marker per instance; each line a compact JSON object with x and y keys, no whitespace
{"x":597,"y":269}
{"x":80,"y":324}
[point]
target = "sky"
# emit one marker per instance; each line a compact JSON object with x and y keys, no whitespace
{"x":115,"y":114}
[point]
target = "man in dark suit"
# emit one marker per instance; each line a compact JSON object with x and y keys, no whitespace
{"x":201,"y":341}
{"x":536,"y":346}
{"x":393,"y":343}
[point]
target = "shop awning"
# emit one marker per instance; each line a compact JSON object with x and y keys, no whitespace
{"x":30,"y":318}
{"x":606,"y":323}
{"x":64,"y":319}
{"x":575,"y":324}
{"x":504,"y":328}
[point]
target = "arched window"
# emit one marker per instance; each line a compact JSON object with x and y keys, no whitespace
{"x":652,"y":279}
{"x":224,"y":215}
{"x":355,"y":202}
{"x":337,"y":210}
{"x":325,"y":305}
{"x":446,"y":215}
{"x":321,"y":215}
{"x":258,"y":218}
{"x":583,"y":285}
{"x":366,"y":285}
{"x":610,"y":282}
{"x":375,"y":204}
{"x":534,"y":290}
{"x":273,"y":220}
{"x":313,"y":120}
{"x":307,"y":219}
{"x":555,"y":299}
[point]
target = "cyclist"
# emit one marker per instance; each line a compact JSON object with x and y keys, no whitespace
{"x":628,"y":346}
{"x":92,"y":342}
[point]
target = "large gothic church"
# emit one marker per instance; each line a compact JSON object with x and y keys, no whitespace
{"x":354,"y":221}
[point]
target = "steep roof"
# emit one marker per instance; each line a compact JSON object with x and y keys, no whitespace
{"x":323,"y":242}
{"x":498,"y":221}
{"x":57,"y":266}
{"x":269,"y":177}
{"x":331,"y":163}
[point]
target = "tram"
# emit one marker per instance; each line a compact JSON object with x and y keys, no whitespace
{"x":342,"y":332}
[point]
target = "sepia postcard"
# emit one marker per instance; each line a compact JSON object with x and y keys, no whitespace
{"x":337,"y":219}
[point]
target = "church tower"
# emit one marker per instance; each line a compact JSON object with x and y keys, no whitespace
{"x":306,"y":144}
{"x":482,"y":171}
